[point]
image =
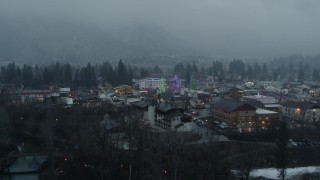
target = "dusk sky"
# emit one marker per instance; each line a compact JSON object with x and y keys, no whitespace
{"x":230,"y":28}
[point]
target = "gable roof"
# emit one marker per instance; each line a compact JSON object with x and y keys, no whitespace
{"x":228,"y":105}
{"x":302,"y":105}
{"x":255,"y":103}
{"x":141,"y":104}
{"x":179,"y":99}
{"x":166,"y":107}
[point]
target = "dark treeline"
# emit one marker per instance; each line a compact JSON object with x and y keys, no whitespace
{"x":66,"y":74}
{"x":296,"y":68}
{"x":237,"y":69}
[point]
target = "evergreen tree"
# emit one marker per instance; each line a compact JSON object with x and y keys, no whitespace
{"x":37,"y":75}
{"x":307,"y":71}
{"x":10,"y":73}
{"x":18,"y":75}
{"x":88,"y":76}
{"x":282,"y":150}
{"x":315,"y":75}
{"x":283,"y":72}
{"x":189,"y":68}
{"x":301,"y":75}
{"x":194,"y":68}
{"x":57,"y":73}
{"x":276,"y":74}
{"x":27,"y":75}
{"x":122,"y":73}
{"x":179,"y":69}
{"x":256,"y":71}
{"x":237,"y":67}
{"x":157,"y":70}
{"x":76,"y":77}
{"x":143,"y":73}
{"x":67,"y":74}
{"x":264,"y":72}
{"x":188,"y":77}
{"x":130,"y":75}
{"x":47,"y":75}
{"x":107,"y":73}
{"x":249,"y":73}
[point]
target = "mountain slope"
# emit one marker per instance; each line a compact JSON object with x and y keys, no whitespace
{"x":41,"y":41}
{"x":153,"y":38}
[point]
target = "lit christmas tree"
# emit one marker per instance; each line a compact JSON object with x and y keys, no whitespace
{"x":193,"y":84}
{"x":175,"y":84}
{"x":162,"y":86}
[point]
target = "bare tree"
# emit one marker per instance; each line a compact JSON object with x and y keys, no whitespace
{"x":282,"y":150}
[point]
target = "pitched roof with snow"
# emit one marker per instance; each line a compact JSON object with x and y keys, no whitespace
{"x":228,"y":105}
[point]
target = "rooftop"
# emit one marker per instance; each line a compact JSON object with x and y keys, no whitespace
{"x":264,"y":111}
{"x":141,"y":104}
{"x":301,"y":105}
{"x":228,"y":105}
{"x":272,"y":105}
{"x":258,"y":96}
{"x":166,"y":107}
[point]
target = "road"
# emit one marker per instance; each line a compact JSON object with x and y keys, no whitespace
{"x":205,"y":132}
{"x":204,"y":112}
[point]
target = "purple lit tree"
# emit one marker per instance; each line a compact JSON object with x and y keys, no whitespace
{"x":176,"y":84}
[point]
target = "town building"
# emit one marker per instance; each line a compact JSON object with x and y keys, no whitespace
{"x":30,"y":96}
{"x":171,"y":118}
{"x":62,"y":95}
{"x":123,"y":89}
{"x":165,"y":116}
{"x":264,"y":118}
{"x":235,"y":113}
{"x":150,"y":83}
{"x":274,"y":107}
{"x":304,"y":112}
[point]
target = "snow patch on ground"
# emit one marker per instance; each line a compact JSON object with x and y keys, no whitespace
{"x":273,"y":173}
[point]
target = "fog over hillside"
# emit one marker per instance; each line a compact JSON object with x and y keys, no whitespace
{"x":43,"y":41}
{"x":36,"y":29}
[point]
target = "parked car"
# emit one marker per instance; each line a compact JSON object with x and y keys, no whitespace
{"x":294,"y":143}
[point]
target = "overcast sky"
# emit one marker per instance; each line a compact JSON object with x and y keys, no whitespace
{"x":243,"y":28}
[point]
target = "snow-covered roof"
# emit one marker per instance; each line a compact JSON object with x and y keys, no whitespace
{"x":264,"y":111}
{"x":272,"y":105}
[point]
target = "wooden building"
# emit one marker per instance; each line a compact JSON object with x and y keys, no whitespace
{"x":235,"y":113}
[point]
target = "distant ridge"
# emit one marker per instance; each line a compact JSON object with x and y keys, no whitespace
{"x":43,"y":41}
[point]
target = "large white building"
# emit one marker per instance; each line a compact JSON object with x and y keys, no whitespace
{"x":150,"y":83}
{"x":35,"y":95}
{"x":29,"y":96}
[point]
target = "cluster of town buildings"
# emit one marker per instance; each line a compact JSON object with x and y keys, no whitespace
{"x":235,"y":106}
{"x":245,"y":106}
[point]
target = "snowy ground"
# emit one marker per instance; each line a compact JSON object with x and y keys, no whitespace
{"x":273,"y":173}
